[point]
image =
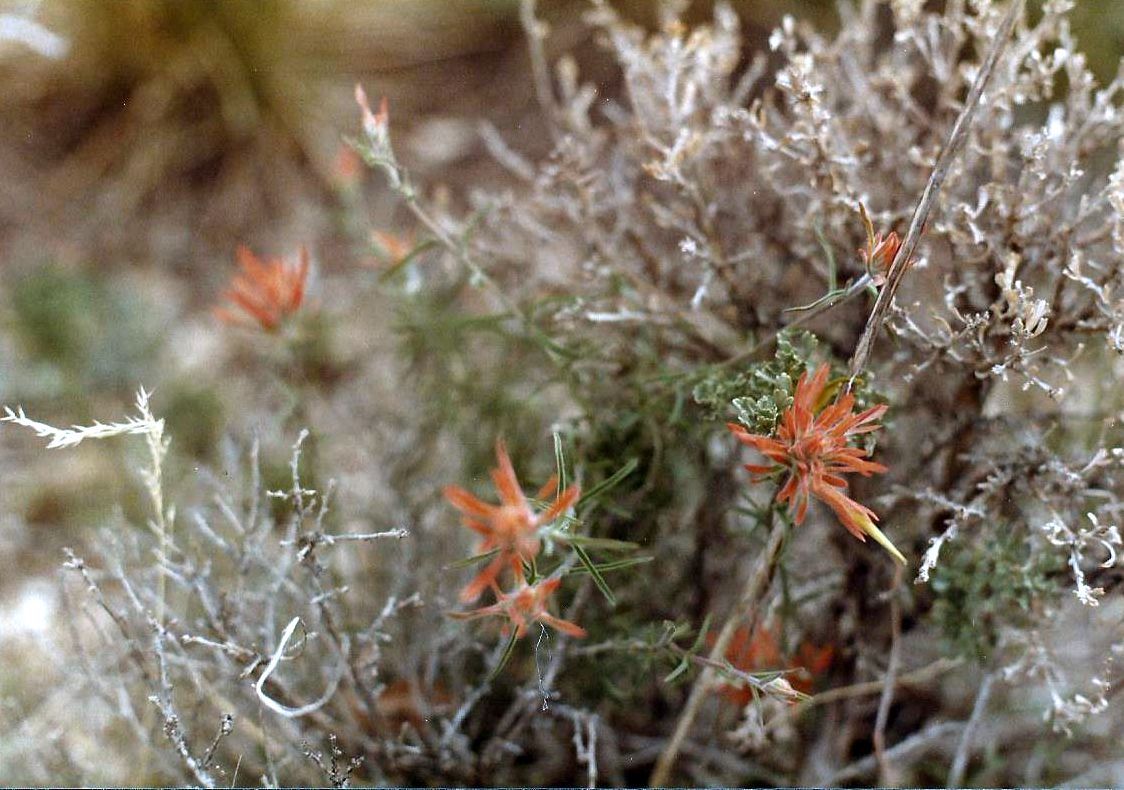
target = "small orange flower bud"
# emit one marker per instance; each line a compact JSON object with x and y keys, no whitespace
{"x":525,"y":606}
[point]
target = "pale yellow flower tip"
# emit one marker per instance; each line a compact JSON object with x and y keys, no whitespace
{"x":881,"y":539}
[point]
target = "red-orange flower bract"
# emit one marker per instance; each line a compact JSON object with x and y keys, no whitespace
{"x":759,"y":651}
{"x":510,"y":528}
{"x":525,"y":606}
{"x":879,"y":254}
{"x":812,"y":448}
{"x":266,"y":292}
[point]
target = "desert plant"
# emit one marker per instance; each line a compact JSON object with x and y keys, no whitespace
{"x":881,"y":266}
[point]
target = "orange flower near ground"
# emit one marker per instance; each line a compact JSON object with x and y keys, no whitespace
{"x":813,"y":449}
{"x":347,"y":167}
{"x":394,"y":248}
{"x":759,"y":652}
{"x":510,"y":528}
{"x":525,"y":606}
{"x":265,"y":293}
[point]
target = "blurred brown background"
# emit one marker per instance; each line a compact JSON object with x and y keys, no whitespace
{"x":162,"y":132}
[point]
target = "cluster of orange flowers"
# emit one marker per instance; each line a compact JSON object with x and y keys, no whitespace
{"x":510,"y":531}
{"x":811,"y":447}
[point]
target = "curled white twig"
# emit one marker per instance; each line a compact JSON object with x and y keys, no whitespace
{"x":276,"y":706}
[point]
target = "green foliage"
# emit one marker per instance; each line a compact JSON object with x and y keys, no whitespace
{"x":84,"y":333}
{"x":474,"y":373}
{"x":760,"y":393}
{"x":758,"y":396}
{"x":195,"y":417}
{"x":982,"y":587}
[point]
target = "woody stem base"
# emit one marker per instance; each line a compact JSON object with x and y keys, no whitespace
{"x":745,"y":613}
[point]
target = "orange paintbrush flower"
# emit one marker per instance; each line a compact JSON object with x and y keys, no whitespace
{"x":813,"y":449}
{"x":265,"y":293}
{"x":510,"y":528}
{"x":525,"y":606}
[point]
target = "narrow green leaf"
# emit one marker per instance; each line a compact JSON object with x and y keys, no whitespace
{"x":610,"y":482}
{"x":560,"y":461}
{"x":608,"y":544}
{"x":615,"y":565}
{"x":417,"y":250}
{"x":813,"y":305}
{"x":674,"y":675}
{"x":473,"y":560}
{"x":507,"y":651}
{"x":701,"y":637}
{"x":598,"y":579}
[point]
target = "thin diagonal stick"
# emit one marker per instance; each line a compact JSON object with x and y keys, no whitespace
{"x":885,"y":769}
{"x":967,"y":741}
{"x":932,"y":189}
{"x":745,"y":612}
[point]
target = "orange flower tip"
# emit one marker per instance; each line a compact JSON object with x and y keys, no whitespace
{"x":880,"y":538}
{"x":564,"y":626}
{"x":374,"y":125}
{"x":467,"y":595}
{"x":548,"y":488}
